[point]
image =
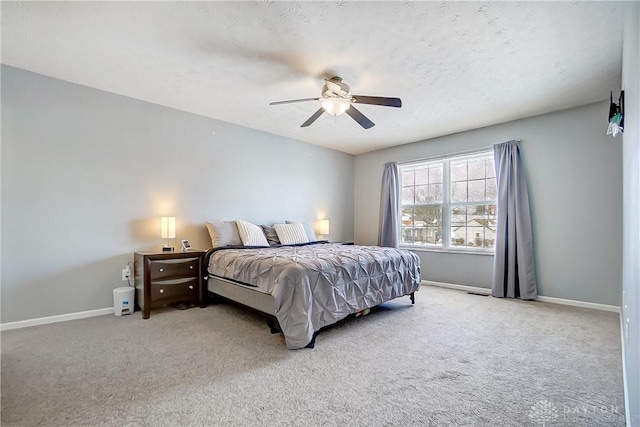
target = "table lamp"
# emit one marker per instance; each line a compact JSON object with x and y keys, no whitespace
{"x":168,"y":231}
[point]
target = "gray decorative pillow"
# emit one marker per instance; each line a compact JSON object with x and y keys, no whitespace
{"x":224,"y":233}
{"x":307,"y":229}
{"x":270,"y":234}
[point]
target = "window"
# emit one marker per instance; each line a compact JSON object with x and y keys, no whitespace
{"x":449,"y":203}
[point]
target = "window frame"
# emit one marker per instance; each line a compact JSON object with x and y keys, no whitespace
{"x":446,"y":204}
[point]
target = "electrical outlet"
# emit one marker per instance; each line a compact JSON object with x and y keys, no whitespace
{"x":626,"y":320}
{"x":626,"y":330}
{"x":126,"y":273}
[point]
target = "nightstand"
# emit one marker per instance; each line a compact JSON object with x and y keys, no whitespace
{"x":164,"y":278}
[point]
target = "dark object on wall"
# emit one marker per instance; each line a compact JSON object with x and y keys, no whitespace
{"x":616,"y":115}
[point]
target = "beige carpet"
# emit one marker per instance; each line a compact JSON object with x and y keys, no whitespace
{"x":453,"y":359}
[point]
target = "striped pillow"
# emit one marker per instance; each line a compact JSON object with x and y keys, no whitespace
{"x":251,"y":234}
{"x":291,"y":234}
{"x":307,"y":229}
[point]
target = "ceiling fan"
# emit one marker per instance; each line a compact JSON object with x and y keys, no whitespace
{"x":336,"y":99}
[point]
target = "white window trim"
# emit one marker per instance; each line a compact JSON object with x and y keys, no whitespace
{"x":459,"y":251}
{"x":446,"y":202}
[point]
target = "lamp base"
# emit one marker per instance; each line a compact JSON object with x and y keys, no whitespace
{"x":167,"y":249}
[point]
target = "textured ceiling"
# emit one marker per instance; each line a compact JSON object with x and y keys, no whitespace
{"x":456,"y":65}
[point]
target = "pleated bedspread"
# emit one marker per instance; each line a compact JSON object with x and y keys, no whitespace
{"x":319,"y":284}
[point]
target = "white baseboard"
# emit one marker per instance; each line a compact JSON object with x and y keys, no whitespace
{"x":584,"y":304}
{"x":55,"y":319}
{"x":485,"y":291}
{"x":625,"y":387}
{"x":474,"y":289}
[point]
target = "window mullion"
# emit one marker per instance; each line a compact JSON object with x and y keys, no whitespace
{"x":446,"y":210}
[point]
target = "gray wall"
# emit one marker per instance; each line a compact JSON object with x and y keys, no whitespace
{"x":86,"y":176}
{"x":575,"y":187}
{"x":631,"y":213}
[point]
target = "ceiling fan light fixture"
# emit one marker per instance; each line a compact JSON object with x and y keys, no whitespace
{"x":336,"y":99}
{"x":335,"y":106}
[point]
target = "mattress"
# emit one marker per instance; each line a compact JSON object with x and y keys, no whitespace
{"x":317,"y":285}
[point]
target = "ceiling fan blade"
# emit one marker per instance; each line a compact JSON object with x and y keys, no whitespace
{"x":312,"y":118}
{"x":293,"y":100}
{"x":378,"y":100}
{"x":360,"y":118}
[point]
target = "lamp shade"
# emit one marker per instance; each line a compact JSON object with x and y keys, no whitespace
{"x":168,"y":227}
{"x":322,"y":226}
{"x":335,"y":106}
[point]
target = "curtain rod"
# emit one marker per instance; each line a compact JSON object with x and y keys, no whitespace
{"x":457,"y":153}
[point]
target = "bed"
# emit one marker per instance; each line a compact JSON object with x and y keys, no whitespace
{"x":306,"y":287}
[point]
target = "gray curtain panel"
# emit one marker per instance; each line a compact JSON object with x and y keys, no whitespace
{"x":389,"y":206}
{"x":513,"y":266}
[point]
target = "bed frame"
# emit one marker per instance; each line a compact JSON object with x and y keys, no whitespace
{"x":248,"y":297}
{"x":245,"y":296}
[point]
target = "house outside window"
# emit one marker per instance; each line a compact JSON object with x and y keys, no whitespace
{"x":449,"y":203}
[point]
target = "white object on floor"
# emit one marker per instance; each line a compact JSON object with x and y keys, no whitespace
{"x":123,"y":299}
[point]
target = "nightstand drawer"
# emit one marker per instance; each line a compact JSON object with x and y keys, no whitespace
{"x":164,"y":270}
{"x":183,"y":291}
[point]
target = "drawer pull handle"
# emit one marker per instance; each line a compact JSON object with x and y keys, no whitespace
{"x":190,"y":286}
{"x":162,"y":269}
{"x":191,"y":267}
{"x":162,"y":291}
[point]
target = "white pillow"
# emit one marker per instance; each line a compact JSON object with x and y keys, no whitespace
{"x":311,"y":235}
{"x":291,"y":234}
{"x":251,"y":234}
